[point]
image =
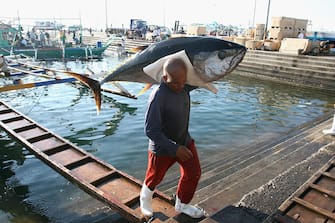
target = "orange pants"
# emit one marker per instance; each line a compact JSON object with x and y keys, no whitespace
{"x":190,"y":171}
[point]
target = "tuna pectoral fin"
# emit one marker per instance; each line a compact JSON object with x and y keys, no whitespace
{"x":91,"y":83}
{"x":210,"y":87}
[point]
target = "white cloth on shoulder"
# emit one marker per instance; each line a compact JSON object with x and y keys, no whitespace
{"x":155,"y":71}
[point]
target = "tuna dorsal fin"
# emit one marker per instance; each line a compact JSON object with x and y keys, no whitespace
{"x":138,"y":48}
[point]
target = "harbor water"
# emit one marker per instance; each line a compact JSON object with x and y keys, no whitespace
{"x":243,"y":112}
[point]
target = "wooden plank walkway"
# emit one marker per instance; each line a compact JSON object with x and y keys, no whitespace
{"x":99,"y":179}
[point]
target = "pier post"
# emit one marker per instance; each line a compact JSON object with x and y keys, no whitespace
{"x":332,"y":130}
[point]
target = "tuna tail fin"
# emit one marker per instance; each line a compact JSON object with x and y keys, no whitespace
{"x":94,"y":85}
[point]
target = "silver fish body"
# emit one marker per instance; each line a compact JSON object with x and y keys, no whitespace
{"x":212,"y":58}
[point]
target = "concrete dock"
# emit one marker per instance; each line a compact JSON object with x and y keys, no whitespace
{"x":299,"y":70}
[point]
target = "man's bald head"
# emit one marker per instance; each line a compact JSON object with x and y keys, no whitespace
{"x":173,"y":66}
{"x":175,"y":74}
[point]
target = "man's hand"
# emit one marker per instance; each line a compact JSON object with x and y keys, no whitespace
{"x":183,"y":153}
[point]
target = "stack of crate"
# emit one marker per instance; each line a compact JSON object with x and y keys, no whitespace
{"x":195,"y":30}
{"x":259,"y":32}
{"x":300,"y":26}
{"x":285,"y":27}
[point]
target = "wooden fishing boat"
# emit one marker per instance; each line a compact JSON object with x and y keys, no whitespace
{"x":313,"y":201}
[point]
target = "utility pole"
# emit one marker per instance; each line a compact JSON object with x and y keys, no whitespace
{"x":253,"y":19}
{"x":106,"y":16}
{"x":267,"y":19}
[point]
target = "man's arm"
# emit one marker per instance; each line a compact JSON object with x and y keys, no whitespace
{"x":153,"y":128}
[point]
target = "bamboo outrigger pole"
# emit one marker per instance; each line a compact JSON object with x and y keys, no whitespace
{"x":36,"y":84}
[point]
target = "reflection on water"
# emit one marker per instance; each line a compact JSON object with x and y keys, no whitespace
{"x":14,"y":194}
{"x":243,"y":112}
{"x":116,"y":112}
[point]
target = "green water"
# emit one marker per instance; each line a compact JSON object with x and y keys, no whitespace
{"x":243,"y":112}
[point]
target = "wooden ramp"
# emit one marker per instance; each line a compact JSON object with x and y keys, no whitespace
{"x":314,"y":201}
{"x":99,"y":179}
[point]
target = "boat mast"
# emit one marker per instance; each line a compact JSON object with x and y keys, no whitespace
{"x":18,"y":19}
{"x":106,"y":16}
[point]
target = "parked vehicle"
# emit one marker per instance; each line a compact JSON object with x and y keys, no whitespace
{"x":138,"y":29}
{"x":157,"y":33}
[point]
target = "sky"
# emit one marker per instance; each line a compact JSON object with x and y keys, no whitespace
{"x":117,"y":13}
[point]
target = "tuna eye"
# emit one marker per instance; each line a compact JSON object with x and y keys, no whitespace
{"x":221,"y":55}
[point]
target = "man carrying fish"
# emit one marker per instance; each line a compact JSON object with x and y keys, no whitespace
{"x":166,"y":125}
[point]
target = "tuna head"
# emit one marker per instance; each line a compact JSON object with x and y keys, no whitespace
{"x":211,"y":58}
{"x":218,"y":59}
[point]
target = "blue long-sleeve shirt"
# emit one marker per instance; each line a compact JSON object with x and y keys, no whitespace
{"x":167,"y":120}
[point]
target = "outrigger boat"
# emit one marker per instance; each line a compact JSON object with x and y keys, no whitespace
{"x":54,"y":53}
{"x":10,"y":45}
{"x":17,"y":67}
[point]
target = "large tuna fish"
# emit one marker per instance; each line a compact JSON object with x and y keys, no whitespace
{"x":208,"y":59}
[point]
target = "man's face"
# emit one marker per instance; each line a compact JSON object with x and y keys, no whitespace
{"x":176,"y":81}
